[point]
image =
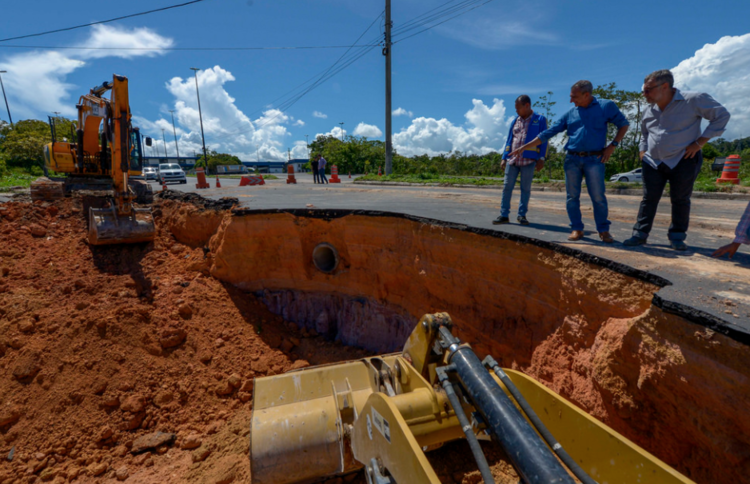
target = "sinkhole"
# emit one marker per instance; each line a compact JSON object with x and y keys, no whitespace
{"x":592,"y":330}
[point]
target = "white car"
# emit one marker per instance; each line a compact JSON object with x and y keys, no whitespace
{"x":149,"y":173}
{"x":171,"y":172}
{"x":631,"y":176}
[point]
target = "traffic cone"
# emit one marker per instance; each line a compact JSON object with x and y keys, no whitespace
{"x":379,"y":174}
{"x":218,"y":183}
{"x":164,"y":185}
{"x":350,"y":174}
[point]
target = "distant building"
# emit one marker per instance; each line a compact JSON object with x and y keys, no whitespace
{"x":186,"y":162}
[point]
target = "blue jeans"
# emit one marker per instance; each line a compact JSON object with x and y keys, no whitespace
{"x":592,"y":168}
{"x":322,"y":174}
{"x":511,"y":175}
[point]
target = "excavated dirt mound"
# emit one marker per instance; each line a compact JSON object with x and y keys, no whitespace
{"x":133,"y":363}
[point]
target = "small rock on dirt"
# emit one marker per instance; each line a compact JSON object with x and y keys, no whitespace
{"x":26,"y":369}
{"x":151,"y":441}
{"x":9,"y":415}
{"x":171,"y":337}
{"x":122,"y":473}
{"x":192,"y":441}
{"x":201,"y":454}
{"x":37,"y":230}
{"x":133,"y":404}
{"x":97,"y":469}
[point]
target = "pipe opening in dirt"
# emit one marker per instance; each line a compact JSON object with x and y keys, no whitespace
{"x":325,"y":257}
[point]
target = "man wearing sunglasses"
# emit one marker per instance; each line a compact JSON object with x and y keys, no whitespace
{"x":670,"y":151}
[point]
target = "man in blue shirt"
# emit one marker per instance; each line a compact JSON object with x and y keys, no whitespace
{"x":671,"y":151}
{"x":587,"y":152}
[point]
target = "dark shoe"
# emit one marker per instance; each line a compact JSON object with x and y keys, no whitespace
{"x":678,"y":245}
{"x":522,"y":220}
{"x":501,"y":220}
{"x":576,"y":235}
{"x":634,"y":241}
{"x":606,"y":237}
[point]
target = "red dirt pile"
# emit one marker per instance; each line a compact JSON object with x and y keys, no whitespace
{"x":127,"y":362}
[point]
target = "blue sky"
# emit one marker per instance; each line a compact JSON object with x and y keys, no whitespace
{"x":454,"y":84}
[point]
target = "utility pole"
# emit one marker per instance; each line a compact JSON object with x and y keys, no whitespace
{"x":342,"y":131}
{"x":174,"y":131}
{"x":165,"y":144}
{"x":200,"y":115}
{"x":387,"y":53}
{"x":6,"y":99}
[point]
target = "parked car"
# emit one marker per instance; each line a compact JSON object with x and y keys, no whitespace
{"x":150,"y":173}
{"x":631,"y":176}
{"x":171,"y":172}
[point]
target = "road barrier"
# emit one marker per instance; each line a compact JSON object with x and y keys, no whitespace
{"x":251,"y":180}
{"x":334,"y":175}
{"x":731,"y":171}
{"x":202,"y":183}
{"x":290,"y":172}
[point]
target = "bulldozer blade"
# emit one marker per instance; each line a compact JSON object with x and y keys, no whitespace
{"x":106,"y":227}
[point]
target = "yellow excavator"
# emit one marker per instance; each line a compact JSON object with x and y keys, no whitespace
{"x":107,"y":152}
{"x":382,"y":414}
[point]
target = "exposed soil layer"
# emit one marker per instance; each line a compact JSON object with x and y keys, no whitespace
{"x":134,"y":364}
{"x":585,"y":327}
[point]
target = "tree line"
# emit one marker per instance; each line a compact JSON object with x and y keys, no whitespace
{"x":21,"y":146}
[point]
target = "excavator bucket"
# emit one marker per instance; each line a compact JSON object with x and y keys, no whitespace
{"x":107,"y":227}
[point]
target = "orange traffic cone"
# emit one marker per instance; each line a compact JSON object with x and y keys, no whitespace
{"x":350,"y":174}
{"x":218,"y":183}
{"x":164,"y":185}
{"x":379,"y":173}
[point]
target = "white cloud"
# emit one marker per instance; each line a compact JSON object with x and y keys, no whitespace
{"x":299,"y":122}
{"x":485,"y":130}
{"x":336,"y":132}
{"x":35,"y":83}
{"x":723,"y":71}
{"x":114,"y":38}
{"x":367,"y":130}
{"x":402,"y":112}
{"x":492,"y":32}
{"x":318,"y":114}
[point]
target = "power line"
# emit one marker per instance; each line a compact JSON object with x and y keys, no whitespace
{"x":184,"y":48}
{"x":103,"y":21}
{"x":446,"y":20}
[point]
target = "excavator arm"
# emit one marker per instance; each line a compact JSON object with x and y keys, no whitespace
{"x":121,"y":222}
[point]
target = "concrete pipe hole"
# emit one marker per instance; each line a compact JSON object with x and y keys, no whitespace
{"x":325,"y":257}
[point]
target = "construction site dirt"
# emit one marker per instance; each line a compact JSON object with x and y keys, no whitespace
{"x":136,"y":363}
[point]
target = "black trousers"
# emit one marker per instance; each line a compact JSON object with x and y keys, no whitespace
{"x":681,"y":179}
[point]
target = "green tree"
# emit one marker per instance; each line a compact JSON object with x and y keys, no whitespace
{"x":22,"y":144}
{"x":215,"y":159}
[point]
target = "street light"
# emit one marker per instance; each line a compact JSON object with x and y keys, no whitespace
{"x":174,"y":131}
{"x":6,"y":99}
{"x":164,"y":139}
{"x":200,"y":115}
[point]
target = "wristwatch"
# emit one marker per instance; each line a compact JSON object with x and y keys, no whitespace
{"x":615,"y":143}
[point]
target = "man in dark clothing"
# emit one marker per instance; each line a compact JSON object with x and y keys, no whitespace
{"x":314,"y":167}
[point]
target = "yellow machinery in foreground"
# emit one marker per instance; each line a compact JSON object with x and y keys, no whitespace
{"x":383,"y":413}
{"x":106,"y":152}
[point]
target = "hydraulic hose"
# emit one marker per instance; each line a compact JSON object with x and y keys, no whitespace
{"x":528,"y":453}
{"x":546,"y":434}
{"x":484,"y":468}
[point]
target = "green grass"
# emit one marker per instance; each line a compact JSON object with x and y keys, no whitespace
{"x":16,"y":179}
{"x":437,"y":179}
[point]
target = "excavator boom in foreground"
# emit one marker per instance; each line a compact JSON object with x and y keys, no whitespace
{"x":106,"y":152}
{"x":383,"y":413}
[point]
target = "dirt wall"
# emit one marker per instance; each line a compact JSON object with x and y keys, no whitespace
{"x":587,"y":331}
